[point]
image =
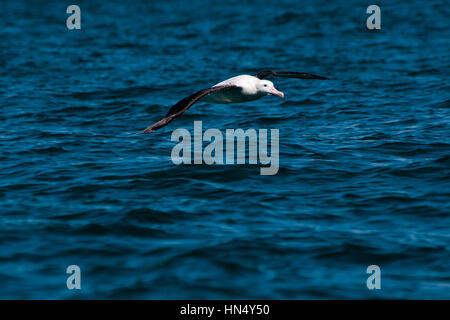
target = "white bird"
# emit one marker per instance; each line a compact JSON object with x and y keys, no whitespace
{"x":237,"y":89}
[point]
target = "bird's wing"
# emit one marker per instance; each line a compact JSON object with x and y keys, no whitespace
{"x":183,"y":105}
{"x":288,"y":74}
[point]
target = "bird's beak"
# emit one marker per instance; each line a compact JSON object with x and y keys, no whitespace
{"x":275,"y":92}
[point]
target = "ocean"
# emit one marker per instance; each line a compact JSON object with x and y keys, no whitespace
{"x":364,"y":158}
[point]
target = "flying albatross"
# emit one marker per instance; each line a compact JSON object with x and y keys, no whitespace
{"x":237,"y":89}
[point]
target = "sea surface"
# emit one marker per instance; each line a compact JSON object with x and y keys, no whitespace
{"x":364,"y":175}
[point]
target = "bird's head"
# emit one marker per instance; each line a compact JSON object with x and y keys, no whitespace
{"x":266,"y":87}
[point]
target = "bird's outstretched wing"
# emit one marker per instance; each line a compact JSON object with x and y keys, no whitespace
{"x":182,"y":106}
{"x":288,"y":74}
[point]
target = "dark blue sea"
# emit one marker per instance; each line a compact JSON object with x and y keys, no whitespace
{"x":364,"y":175}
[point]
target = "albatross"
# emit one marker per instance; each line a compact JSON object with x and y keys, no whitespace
{"x":241,"y":88}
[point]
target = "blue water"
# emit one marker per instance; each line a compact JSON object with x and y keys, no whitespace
{"x":364,"y":174}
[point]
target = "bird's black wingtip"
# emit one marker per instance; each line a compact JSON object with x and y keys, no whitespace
{"x":146,"y":131}
{"x":315,"y":76}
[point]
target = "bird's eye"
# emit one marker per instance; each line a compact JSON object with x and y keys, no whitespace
{"x":265,"y":85}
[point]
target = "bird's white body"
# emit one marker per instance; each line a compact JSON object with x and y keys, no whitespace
{"x":248,"y":88}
